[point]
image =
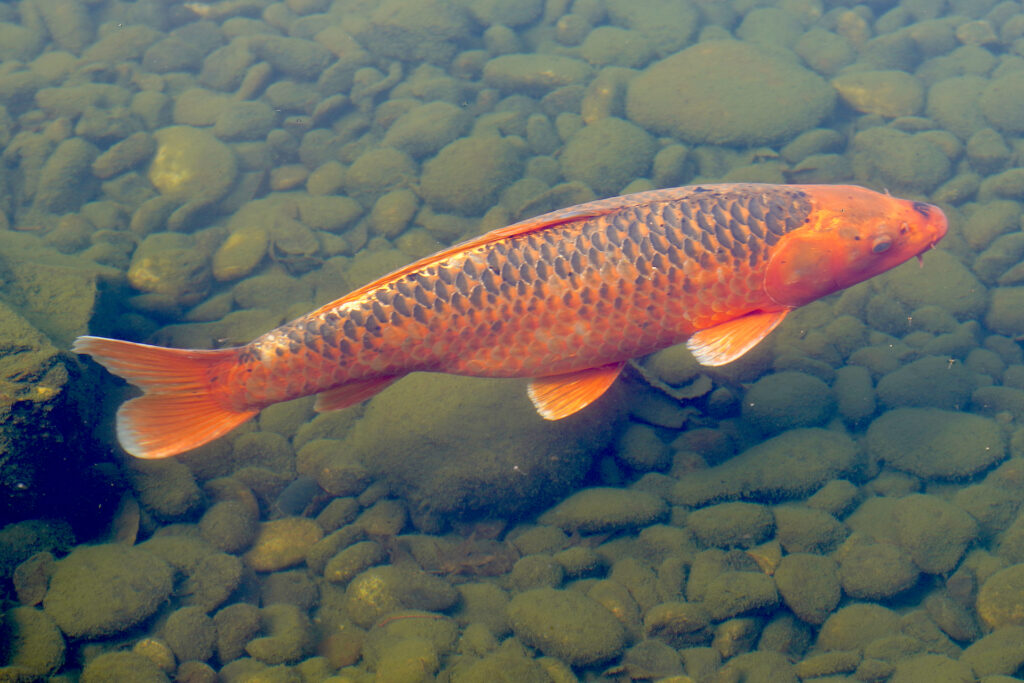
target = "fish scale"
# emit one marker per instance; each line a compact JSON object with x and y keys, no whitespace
{"x":527,"y":305}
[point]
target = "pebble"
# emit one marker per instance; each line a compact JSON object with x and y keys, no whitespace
{"x":886,"y":93}
{"x":1001,"y":598}
{"x":601,"y":510}
{"x":32,"y":641}
{"x":935,"y":444}
{"x":788,"y":400}
{"x":875,"y":571}
{"x":566,"y":625}
{"x":735,"y":593}
{"x":282,"y":543}
{"x":809,"y":585}
{"x":791,"y":464}
{"x":731,"y":524}
{"x":102,"y":590}
{"x":534,"y":73}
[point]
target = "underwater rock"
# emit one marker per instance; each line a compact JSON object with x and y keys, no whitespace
{"x":1000,"y":600}
{"x":66,"y":181}
{"x":1000,"y":103}
{"x":166,"y":488}
{"x":190,"y":634}
{"x":567,"y":625}
{"x":537,"y":74}
{"x":46,"y":400}
{"x":415,"y":32}
{"x":31,"y":641}
{"x":809,"y":585}
{"x":67,"y":22}
{"x":928,"y":382}
{"x":607,"y":155}
{"x":887,"y":93}
{"x":856,"y":625}
{"x":787,"y":400}
{"x":807,"y":530}
{"x":601,"y":510}
{"x":668,"y":24}
{"x":792,"y":464}
{"x":704,"y":94}
{"x":734,"y":593}
{"x":912,"y":163}
{"x":934,"y":532}
{"x":729,"y":525}
{"x":874,"y":571}
{"x":378,"y":591}
{"x":191,"y":165}
{"x":447,"y":444}
{"x":935,"y":444}
{"x":122,"y":666}
{"x":467,"y":175}
{"x":102,"y":590}
{"x":131,"y":151}
{"x":424,"y":130}
{"x":282,"y":543}
{"x":999,"y":652}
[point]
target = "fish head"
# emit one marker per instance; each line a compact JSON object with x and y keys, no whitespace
{"x":851,"y":234}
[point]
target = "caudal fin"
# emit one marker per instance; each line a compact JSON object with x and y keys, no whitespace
{"x":177,"y":411}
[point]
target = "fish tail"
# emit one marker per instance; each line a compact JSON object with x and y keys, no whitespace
{"x":179,"y":409}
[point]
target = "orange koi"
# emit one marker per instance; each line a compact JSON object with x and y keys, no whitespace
{"x":565,"y":298}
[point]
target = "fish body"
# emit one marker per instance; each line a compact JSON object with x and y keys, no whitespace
{"x":565,"y":298}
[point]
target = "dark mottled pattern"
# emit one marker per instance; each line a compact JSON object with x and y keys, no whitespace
{"x":610,"y":280}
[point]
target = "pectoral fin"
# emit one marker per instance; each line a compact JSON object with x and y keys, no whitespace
{"x":728,"y":341}
{"x":559,"y":396}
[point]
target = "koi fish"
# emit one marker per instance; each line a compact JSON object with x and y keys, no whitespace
{"x":565,"y":298}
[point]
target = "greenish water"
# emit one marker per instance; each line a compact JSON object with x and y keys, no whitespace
{"x":843,"y":502}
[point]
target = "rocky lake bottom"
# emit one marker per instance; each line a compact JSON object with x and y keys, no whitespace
{"x":844,"y":503}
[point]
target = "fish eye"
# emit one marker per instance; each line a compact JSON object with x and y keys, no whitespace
{"x":881,"y":244}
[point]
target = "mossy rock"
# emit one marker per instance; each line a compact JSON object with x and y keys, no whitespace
{"x":598,"y":510}
{"x":728,"y":93}
{"x":103,"y":590}
{"x":567,"y":625}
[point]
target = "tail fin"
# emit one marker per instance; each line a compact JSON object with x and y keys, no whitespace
{"x":178,"y":410}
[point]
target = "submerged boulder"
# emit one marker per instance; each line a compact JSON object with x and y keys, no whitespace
{"x":460,"y":447}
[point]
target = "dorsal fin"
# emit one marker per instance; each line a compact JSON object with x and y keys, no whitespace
{"x":543,"y":222}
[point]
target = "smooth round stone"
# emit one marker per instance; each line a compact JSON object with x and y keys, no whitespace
{"x":809,"y":585}
{"x":534,"y":73}
{"x":1000,"y":103}
{"x":728,"y":93}
{"x":102,"y":590}
{"x":876,"y":571}
{"x":466,"y":176}
{"x":240,"y":253}
{"x":567,"y":625}
{"x":729,"y":525}
{"x":608,"y":154}
{"x":599,"y":510}
{"x":856,"y":625}
{"x":282,"y":543}
{"x":935,"y":444}
{"x":733,"y":593}
{"x":33,"y":642}
{"x":886,"y":93}
{"x":787,"y":400}
{"x":190,"y":163}
{"x":1001,"y":598}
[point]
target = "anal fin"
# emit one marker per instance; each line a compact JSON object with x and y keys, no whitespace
{"x":351,"y":393}
{"x":559,"y":396}
{"x":728,"y":341}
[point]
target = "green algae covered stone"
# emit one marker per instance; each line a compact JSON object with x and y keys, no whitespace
{"x":102,"y":590}
{"x":567,"y":625}
{"x":725,"y":92}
